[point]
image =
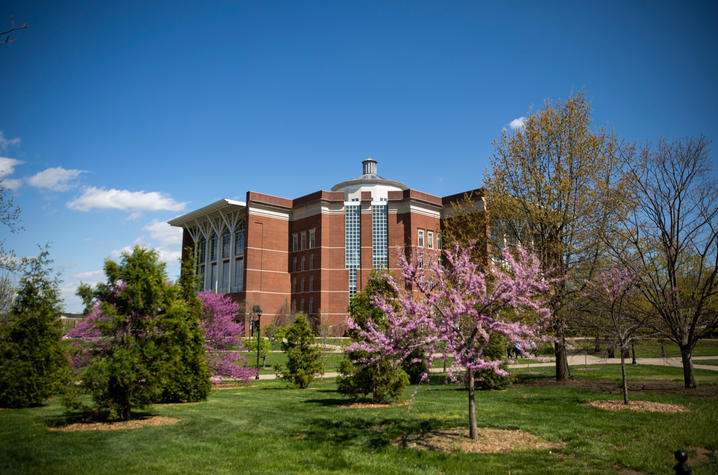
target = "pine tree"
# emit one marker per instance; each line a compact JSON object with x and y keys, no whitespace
{"x":304,"y":358}
{"x":33,"y":364}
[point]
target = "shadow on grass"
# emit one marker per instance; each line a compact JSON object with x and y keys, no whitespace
{"x":372,"y":433}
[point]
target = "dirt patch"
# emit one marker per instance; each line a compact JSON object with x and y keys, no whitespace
{"x":638,"y":406}
{"x":120,"y":425}
{"x":490,"y":441}
{"x":658,"y":388}
{"x":374,"y":405}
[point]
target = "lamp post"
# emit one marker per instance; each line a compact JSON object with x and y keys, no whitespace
{"x":257,"y":310}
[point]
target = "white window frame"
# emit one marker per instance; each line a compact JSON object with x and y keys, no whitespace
{"x":430,"y":239}
{"x":420,"y":238}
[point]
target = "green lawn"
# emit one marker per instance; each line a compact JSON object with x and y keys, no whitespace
{"x":331,"y":361}
{"x":651,"y":348}
{"x":269,"y":427}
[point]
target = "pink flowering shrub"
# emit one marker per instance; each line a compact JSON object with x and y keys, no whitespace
{"x":222,"y":337}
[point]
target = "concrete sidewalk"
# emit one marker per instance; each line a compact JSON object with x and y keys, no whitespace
{"x":576,"y":360}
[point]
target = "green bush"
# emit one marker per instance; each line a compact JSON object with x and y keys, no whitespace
{"x":487,"y":379}
{"x":33,"y":363}
{"x":304,"y":359}
{"x":384,"y":379}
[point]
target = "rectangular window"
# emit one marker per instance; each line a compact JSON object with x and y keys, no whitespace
{"x":352,"y":230}
{"x":301,"y":305}
{"x":438,"y":241}
{"x":311,"y":262}
{"x":212,"y":284}
{"x":380,"y":252}
{"x":312,"y":239}
{"x":202,"y":248}
{"x":238,"y":281}
{"x":294,"y":243}
{"x":302,"y":287}
{"x":213,"y":248}
{"x":304,"y":241}
{"x":430,"y":239}
{"x":226,"y":244}
{"x":311,"y":283}
{"x":304,"y":261}
{"x":225,"y":277}
{"x":294,"y":285}
{"x":311,"y":306}
{"x":421,"y":238}
{"x":239,"y":243}
{"x":294,"y":264}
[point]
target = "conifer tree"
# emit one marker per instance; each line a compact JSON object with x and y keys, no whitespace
{"x":33,"y":364}
{"x":304,"y":358}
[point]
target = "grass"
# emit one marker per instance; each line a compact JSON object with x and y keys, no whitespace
{"x":651,"y":348}
{"x":269,"y":427}
{"x":331,"y":361}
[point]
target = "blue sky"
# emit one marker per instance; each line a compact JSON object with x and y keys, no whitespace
{"x":117,"y":116}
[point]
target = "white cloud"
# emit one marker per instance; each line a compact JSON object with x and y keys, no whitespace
{"x":517,"y":123}
{"x":56,"y":179}
{"x":90,"y":277}
{"x":11,"y":183}
{"x":7,"y":165}
{"x":165,"y":234}
{"x":135,"y":201}
{"x":6,"y":142}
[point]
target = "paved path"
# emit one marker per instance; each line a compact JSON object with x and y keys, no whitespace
{"x":577,"y":360}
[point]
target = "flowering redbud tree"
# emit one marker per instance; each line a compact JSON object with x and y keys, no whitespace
{"x":456,"y":307}
{"x":614,"y":294}
{"x":222,"y":337}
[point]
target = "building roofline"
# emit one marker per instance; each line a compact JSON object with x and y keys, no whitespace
{"x":474,"y":195}
{"x":179,"y":221}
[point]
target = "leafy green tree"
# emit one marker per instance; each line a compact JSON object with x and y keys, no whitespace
{"x":554,"y":187}
{"x":144,"y":337}
{"x":304,"y":358}
{"x":33,"y":363}
{"x":385,"y":378}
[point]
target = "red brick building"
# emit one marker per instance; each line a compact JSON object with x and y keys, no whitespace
{"x":312,"y":253}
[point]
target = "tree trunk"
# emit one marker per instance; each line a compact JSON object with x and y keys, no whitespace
{"x":126,"y":413}
{"x":597,"y":343}
{"x":562,"y":372}
{"x":623,"y":376}
{"x":689,"y":379}
{"x":473,"y":431}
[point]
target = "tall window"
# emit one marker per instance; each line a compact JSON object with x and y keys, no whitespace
{"x":294,"y":284}
{"x":294,"y":242}
{"x":380,"y":252}
{"x":352,"y":228}
{"x":238,"y":281}
{"x":294,"y":264}
{"x":421,"y":238}
{"x":430,"y":239}
{"x":239,"y":242}
{"x":304,"y":261}
{"x":301,"y":305}
{"x":311,"y":283}
{"x":312,"y":239}
{"x":213,"y":247}
{"x":311,"y":262}
{"x":302,"y":287}
{"x":311,"y":306}
{"x":225,"y":277}
{"x":212,"y":284}
{"x":438,"y":241}
{"x":202,"y":250}
{"x":226,"y":244}
{"x":304,"y":241}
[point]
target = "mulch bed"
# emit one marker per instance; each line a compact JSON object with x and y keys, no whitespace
{"x":373,"y":405}
{"x":490,"y":441}
{"x":638,"y":406}
{"x":119,"y":425}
